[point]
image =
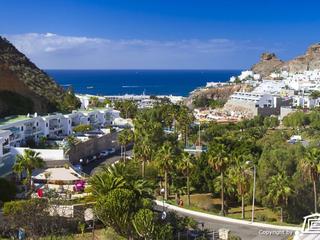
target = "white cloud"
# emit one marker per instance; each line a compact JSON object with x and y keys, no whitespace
{"x":51,"y":50}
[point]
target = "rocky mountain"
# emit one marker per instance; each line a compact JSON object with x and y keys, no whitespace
{"x":24,"y":88}
{"x":270,"y":63}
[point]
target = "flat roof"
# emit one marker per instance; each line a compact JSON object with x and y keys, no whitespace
{"x":13,"y":119}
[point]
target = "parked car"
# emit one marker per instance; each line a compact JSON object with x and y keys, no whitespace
{"x":104,"y":153}
{"x":111,"y":150}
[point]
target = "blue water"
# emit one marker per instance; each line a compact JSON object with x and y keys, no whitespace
{"x":150,"y":82}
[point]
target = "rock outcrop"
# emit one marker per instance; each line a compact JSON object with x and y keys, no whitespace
{"x":219,"y":93}
{"x":309,"y":61}
{"x":24,"y":88}
{"x":270,"y":63}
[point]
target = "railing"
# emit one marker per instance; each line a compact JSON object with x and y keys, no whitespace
{"x":56,"y":127}
{"x":6,"y":150}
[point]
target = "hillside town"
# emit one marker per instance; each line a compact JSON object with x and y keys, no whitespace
{"x":155,"y":120}
{"x":278,"y":95}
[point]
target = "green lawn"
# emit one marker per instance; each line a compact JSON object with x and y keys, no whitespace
{"x":206,"y":203}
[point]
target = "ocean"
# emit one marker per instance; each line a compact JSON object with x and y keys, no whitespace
{"x":149,"y":82}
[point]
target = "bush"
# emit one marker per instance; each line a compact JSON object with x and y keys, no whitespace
{"x":82,"y":128}
{"x":7,"y":190}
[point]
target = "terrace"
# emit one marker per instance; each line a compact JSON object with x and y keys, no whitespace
{"x":13,"y":119}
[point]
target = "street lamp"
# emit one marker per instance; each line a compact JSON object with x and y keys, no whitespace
{"x":254,"y":189}
{"x":164,"y":214}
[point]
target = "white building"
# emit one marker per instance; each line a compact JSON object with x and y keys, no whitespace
{"x":23,"y":128}
{"x":305,"y":101}
{"x":259,"y":99}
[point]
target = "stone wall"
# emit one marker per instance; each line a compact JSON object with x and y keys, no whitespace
{"x":93,"y":146}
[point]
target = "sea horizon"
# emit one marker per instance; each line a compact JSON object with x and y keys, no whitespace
{"x":178,"y":82}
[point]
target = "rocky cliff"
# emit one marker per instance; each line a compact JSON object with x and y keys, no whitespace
{"x":219,"y":93}
{"x":270,"y":63}
{"x":24,"y":88}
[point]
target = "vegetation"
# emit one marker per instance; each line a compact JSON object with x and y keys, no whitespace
{"x":27,"y":162}
{"x":33,"y":216}
{"x":94,"y":102}
{"x":81,"y":128}
{"x":7,"y":190}
{"x":125,"y":137}
{"x":124,"y":204}
{"x":202,"y":102}
{"x":127,"y":108}
{"x":68,"y":102}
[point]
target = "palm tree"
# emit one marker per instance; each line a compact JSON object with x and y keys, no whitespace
{"x":310,"y":166}
{"x":115,"y":177}
{"x":218,"y":158}
{"x":279,"y":190}
{"x":240,"y":176}
{"x":124,"y":138}
{"x":27,"y":162}
{"x":144,"y":153}
{"x":165,"y":161}
{"x":103,"y":182}
{"x":185,"y":165}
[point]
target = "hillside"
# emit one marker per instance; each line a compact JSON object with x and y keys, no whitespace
{"x":24,"y":88}
{"x":270,"y":63}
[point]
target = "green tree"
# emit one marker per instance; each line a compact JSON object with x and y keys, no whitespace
{"x":279,"y":190}
{"x":240,"y":176}
{"x":310,"y":166}
{"x":186,"y":165}
{"x":117,"y":209}
{"x":315,"y":94}
{"x":184,"y":119}
{"x":125,"y":137}
{"x":271,"y":122}
{"x":218,"y":158}
{"x":143,"y":222}
{"x":296,"y":120}
{"x":70,"y":142}
{"x":69,"y":102}
{"x":127,"y":108}
{"x":165,"y":160}
{"x":27,"y":162}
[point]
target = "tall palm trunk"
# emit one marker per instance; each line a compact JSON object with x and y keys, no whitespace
{"x":143,"y":168}
{"x":166,"y":185}
{"x":315,"y":196}
{"x":281,"y":214}
{"x":242,"y":207}
{"x":188,"y":187}
{"x":124,"y":152}
{"x":121,"y":150}
{"x":222,"y":194}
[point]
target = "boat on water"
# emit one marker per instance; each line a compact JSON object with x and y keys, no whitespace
{"x":90,"y":87}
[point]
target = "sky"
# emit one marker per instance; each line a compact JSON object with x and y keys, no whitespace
{"x":158,"y":34}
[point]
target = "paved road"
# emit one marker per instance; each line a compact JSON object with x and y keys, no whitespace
{"x":92,"y":167}
{"x":245,"y":231}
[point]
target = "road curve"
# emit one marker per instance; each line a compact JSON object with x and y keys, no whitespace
{"x":246,"y":230}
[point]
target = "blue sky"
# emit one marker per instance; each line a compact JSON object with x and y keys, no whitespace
{"x":154,"y":34}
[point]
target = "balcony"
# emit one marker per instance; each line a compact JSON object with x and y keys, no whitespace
{"x":32,"y":131}
{"x":55,"y":128}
